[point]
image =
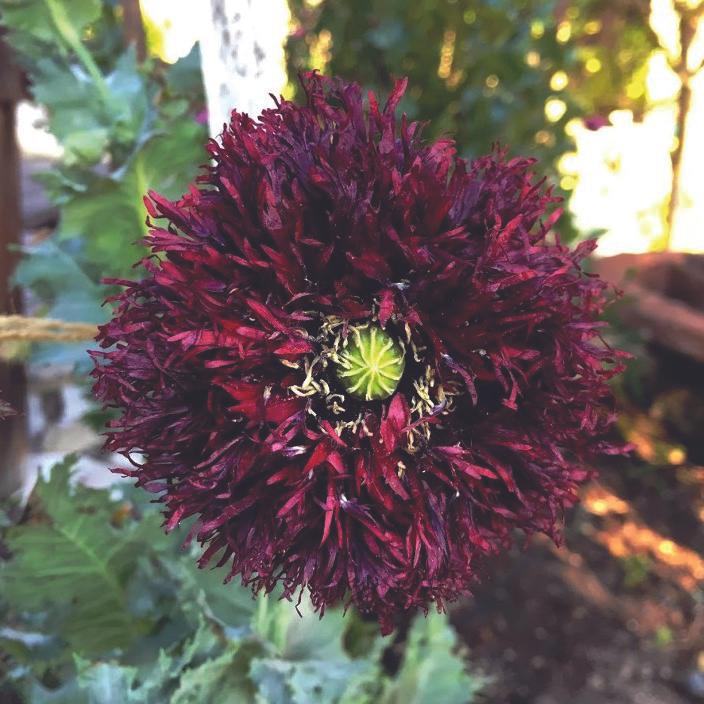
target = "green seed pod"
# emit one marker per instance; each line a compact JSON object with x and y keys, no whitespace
{"x":371,"y":365}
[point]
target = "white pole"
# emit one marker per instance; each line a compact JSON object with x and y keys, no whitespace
{"x":243,"y":60}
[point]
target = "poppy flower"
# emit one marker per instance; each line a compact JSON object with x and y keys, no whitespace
{"x":358,"y":361}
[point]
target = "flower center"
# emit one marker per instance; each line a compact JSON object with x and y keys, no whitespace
{"x":371,"y":364}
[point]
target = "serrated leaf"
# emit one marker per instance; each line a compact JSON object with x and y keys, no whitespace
{"x":74,"y":562}
{"x":230,"y":605}
{"x":314,"y":681}
{"x":309,"y":662}
{"x":184,"y":77}
{"x":129,"y":99}
{"x":110,"y":215}
{"x":432,"y":671}
{"x":220,"y":680}
{"x":109,"y":218}
{"x":159,"y":678}
{"x":76,"y":112}
{"x":89,"y":119}
{"x":106,"y":683}
{"x":298,"y":632}
{"x":51,"y":271}
{"x":169,"y":161}
{"x":67,"y":292}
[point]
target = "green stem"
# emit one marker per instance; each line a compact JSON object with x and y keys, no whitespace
{"x":70,"y":36}
{"x":262,"y":612}
{"x":142,"y":188}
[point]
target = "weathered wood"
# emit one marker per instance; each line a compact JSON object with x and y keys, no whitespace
{"x":37,"y":210}
{"x":11,"y":83}
{"x":12,"y":377}
{"x":10,"y":213}
{"x":663,"y":297}
{"x":667,"y":322}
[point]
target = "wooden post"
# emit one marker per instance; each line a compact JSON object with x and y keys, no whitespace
{"x":242,"y":52}
{"x":13,"y":430}
{"x":133,"y":28}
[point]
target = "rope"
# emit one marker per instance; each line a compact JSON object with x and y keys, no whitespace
{"x":27,"y":329}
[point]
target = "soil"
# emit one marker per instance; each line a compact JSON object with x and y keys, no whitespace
{"x":616,"y":615}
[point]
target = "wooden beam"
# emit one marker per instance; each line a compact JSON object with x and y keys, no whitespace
{"x":664,"y":297}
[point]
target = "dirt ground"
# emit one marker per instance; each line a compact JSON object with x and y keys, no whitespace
{"x":616,"y":615}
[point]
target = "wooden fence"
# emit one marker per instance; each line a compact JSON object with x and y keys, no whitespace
{"x":12,"y":376}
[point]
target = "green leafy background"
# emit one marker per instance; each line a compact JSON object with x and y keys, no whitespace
{"x":124,"y":127}
{"x":99,"y":606}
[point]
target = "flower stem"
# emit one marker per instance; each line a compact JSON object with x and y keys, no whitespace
{"x":69,"y":34}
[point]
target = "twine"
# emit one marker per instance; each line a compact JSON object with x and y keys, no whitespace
{"x":27,"y":329}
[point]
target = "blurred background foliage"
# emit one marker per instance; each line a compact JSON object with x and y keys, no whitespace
{"x":479,"y":71}
{"x":508,"y":71}
{"x":122,"y":126}
{"x":538,"y":76}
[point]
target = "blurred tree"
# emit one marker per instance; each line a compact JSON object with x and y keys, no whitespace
{"x":12,"y":378}
{"x":481,"y":71}
{"x":686,"y":67}
{"x":513,"y":71}
{"x":611,"y":43}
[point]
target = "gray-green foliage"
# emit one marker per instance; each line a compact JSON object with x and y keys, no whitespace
{"x":100,"y":607}
{"x":124,"y":128}
{"x":482,"y":71}
{"x":489,"y":90}
{"x":37,"y":19}
{"x":430,"y":671}
{"x":80,"y":564}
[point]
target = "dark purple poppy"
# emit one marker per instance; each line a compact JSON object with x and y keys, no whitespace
{"x":358,"y":361}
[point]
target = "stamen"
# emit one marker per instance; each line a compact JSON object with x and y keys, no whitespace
{"x":370,"y":363}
